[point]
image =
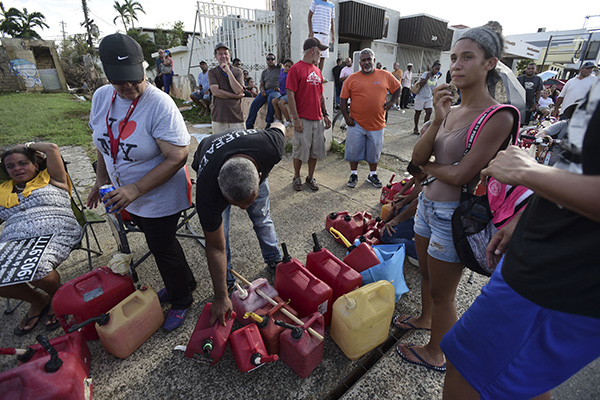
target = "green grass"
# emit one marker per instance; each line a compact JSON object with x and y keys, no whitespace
{"x":54,"y":117}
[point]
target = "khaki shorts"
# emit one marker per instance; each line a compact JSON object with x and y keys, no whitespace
{"x":218,"y":127}
{"x":311,"y":142}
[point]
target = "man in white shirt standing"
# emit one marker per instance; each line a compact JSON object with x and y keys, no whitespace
{"x":575,"y":89}
{"x":406,"y":85}
{"x":320,"y":25}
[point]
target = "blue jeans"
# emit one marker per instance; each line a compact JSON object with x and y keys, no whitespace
{"x":167,"y":79}
{"x":257,"y":103}
{"x":404,"y":234}
{"x":338,"y":91}
{"x":260,"y":215}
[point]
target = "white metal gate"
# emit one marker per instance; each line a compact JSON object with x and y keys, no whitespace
{"x":249,"y":34}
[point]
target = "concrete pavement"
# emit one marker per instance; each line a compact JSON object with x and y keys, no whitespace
{"x":156,"y":371}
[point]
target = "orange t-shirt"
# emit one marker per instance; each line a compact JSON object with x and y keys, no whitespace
{"x":397,"y":74}
{"x":367,"y":94}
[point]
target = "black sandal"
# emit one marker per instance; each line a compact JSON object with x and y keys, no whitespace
{"x":22,"y":332}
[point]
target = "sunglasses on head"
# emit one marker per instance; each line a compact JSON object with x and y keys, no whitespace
{"x":124,"y":82}
{"x":270,"y":58}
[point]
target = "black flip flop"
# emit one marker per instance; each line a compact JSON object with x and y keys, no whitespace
{"x":421,"y":362}
{"x":22,"y":332}
{"x":54,"y":325}
{"x":405,"y":322}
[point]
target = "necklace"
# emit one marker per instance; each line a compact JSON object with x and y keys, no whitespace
{"x":20,"y":188}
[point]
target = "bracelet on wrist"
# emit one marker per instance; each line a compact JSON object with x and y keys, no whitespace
{"x":28,"y":144}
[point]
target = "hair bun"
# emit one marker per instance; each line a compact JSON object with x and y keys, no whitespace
{"x":495,"y":26}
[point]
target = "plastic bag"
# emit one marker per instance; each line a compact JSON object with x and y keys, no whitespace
{"x":119,"y":263}
{"x":390,"y":269}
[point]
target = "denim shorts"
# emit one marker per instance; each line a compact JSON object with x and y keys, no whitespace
{"x":433,"y":221}
{"x":362,"y":144}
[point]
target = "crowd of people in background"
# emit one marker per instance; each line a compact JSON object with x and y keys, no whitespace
{"x":491,"y":351}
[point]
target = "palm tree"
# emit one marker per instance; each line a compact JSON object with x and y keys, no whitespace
{"x":123,"y":14}
{"x":20,"y":24}
{"x":30,"y":21}
{"x":133,"y":7}
{"x":9,"y":20}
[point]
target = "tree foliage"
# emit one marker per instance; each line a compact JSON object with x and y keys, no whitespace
{"x":170,"y":37}
{"x":21,"y":24}
{"x":76,"y":60}
{"x":128,"y":12}
{"x":148,"y":46}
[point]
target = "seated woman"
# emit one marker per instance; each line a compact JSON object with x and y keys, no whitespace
{"x":34,"y":202}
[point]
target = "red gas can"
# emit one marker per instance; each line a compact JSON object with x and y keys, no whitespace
{"x":351,"y":226}
{"x":69,"y":343}
{"x":208,"y":343}
{"x":362,"y":257}
{"x":58,"y":377}
{"x":249,"y":349}
{"x":301,"y":351}
{"x":268,"y":330}
{"x":245,"y":299}
{"x":389,"y":190}
{"x":89,"y":295}
{"x":373,"y":233}
{"x":331,"y":270}
{"x":334,"y":218}
{"x":306,"y":292}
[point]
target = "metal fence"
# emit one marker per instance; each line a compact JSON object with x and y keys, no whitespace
{"x":249,"y":34}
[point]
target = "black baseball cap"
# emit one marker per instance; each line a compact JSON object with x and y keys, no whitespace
{"x":122,"y":58}
{"x":314,"y":42}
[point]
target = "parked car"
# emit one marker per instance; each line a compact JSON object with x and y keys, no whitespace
{"x":558,"y":82}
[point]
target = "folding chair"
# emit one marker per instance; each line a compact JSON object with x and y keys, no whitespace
{"x":122,"y":224}
{"x":86,"y":218}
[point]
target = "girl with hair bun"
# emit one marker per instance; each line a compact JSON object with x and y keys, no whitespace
{"x":473,"y":62}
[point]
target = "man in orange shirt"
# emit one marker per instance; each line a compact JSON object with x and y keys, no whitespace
{"x":367,"y":89}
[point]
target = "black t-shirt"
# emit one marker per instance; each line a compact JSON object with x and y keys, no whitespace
{"x":553,"y":259}
{"x":531,"y":85}
{"x":266,"y":147}
{"x":336,"y":75}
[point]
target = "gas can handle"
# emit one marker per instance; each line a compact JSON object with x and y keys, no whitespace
{"x":336,"y":234}
{"x":101,"y":319}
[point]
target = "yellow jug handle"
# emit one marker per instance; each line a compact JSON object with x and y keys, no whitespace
{"x":336,"y":234}
{"x":254,"y":316}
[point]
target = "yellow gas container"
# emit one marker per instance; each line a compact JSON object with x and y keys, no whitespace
{"x":385,"y":210}
{"x":131,"y":323}
{"x":361,"y":319}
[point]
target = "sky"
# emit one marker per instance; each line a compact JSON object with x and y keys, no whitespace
{"x":512,"y":14}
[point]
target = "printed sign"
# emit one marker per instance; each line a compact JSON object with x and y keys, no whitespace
{"x":19,"y":259}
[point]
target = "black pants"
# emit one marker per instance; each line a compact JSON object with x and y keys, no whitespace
{"x":169,"y":256}
{"x":405,"y":97}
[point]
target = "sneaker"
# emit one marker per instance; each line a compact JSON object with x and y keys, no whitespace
{"x":312,"y":183}
{"x":352,"y":181}
{"x":297,"y":184}
{"x":276,"y":120}
{"x":174,"y":319}
{"x":273,"y":265}
{"x":374,"y":180}
{"x":287,"y":124}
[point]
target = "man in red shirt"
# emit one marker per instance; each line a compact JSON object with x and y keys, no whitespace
{"x":307,"y":107}
{"x":368,"y":89}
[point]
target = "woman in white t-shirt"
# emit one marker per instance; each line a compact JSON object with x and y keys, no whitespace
{"x":424,"y":99}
